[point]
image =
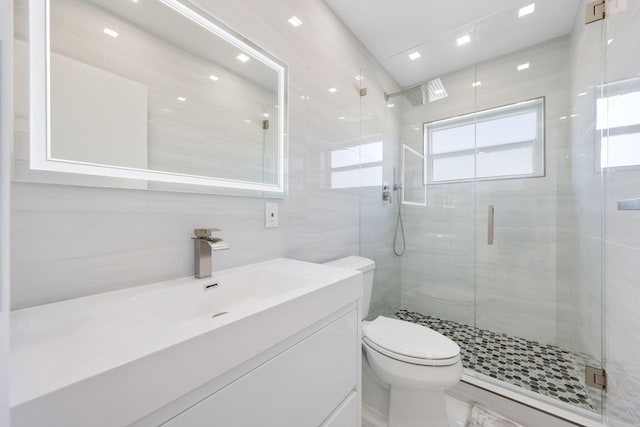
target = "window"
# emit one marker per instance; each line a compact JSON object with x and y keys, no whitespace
{"x":504,"y":142}
{"x":619,"y":120}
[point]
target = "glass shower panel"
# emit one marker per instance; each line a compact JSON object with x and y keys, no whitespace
{"x":618,"y":131}
{"x":377,"y":153}
{"x":438,"y":265}
{"x":538,"y":241}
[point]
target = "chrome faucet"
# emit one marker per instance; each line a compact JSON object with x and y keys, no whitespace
{"x":203,"y":245}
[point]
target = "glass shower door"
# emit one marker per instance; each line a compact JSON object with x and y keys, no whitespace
{"x":538,"y":214}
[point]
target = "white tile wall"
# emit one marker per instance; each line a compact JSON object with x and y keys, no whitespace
{"x":70,"y":241}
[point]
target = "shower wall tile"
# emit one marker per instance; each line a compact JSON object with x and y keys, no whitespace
{"x":70,"y":241}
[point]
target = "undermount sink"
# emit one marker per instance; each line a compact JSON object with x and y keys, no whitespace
{"x":138,"y":340}
{"x":229,"y":293}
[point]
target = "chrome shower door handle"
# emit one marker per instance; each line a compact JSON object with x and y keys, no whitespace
{"x":629,"y":205}
{"x":490,"y":225}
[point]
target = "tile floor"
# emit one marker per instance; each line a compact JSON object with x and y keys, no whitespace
{"x":545,"y":369}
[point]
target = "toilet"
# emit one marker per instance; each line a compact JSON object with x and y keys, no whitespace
{"x":417,"y":363}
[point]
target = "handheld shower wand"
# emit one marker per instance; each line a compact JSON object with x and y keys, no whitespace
{"x":399,"y":224}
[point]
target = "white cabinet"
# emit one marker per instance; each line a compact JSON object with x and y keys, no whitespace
{"x":312,"y":383}
{"x":288,"y":349}
{"x":347,"y":414}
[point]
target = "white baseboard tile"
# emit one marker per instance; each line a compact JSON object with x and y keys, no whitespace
{"x":373,"y":418}
{"x":456,"y":409}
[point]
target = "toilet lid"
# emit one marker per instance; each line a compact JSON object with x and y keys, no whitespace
{"x":409,"y":339}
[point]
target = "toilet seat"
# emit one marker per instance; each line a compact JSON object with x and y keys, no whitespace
{"x":410,"y":342}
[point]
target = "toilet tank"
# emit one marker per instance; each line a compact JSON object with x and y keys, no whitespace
{"x":366,"y":266}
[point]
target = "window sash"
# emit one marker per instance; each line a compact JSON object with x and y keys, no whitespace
{"x":535,"y":105}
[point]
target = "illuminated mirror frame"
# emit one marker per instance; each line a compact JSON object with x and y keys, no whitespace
{"x":40,"y":114}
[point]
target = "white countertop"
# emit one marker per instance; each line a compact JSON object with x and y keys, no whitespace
{"x":57,"y":346}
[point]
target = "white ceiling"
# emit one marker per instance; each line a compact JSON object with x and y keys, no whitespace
{"x":391,"y":29}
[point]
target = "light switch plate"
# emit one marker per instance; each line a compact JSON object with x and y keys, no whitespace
{"x":270,"y":215}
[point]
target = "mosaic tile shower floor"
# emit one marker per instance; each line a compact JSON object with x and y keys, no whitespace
{"x":545,"y":369}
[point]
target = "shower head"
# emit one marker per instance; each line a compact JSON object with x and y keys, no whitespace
{"x":416,"y":95}
{"x":428,"y":91}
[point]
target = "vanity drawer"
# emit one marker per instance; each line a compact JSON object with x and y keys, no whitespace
{"x":302,"y":386}
{"x":346,"y":415}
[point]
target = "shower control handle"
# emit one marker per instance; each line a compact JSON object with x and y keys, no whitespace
{"x":386,"y":194}
{"x":490,"y":225}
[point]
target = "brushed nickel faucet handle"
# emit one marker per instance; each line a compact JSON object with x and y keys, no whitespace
{"x":204,"y":233}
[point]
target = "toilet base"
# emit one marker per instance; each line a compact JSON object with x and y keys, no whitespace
{"x":417,"y":408}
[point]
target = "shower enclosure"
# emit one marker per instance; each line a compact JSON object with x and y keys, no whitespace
{"x":510,"y":170}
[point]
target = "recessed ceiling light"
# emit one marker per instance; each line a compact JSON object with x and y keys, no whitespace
{"x":214,"y":77}
{"x":265,"y":115}
{"x":242,"y":57}
{"x":478,"y":83}
{"x":524,"y":11}
{"x":609,"y":41}
{"x":304,"y":96}
{"x":463,"y":40}
{"x":135,"y":1}
{"x":416,"y":128}
{"x":332,"y":90}
{"x":247,"y":121}
{"x":108,"y":31}
{"x":415,"y":55}
{"x":582,"y":93}
{"x":391,"y":105}
{"x":341,"y":118}
{"x":563,"y":117}
{"x":523,"y":66}
{"x":295,"y":21}
{"x":358,"y":77}
{"x":574,"y":115}
{"x":182,"y":98}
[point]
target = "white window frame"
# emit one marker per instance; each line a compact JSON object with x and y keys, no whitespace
{"x":406,"y":152}
{"x":538,"y":144}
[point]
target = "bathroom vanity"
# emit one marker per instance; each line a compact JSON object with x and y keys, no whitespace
{"x":273,"y":343}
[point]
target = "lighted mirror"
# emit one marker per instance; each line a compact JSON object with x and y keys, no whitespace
{"x":154,"y":90}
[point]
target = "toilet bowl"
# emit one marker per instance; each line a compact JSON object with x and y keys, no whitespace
{"x":415,"y":362}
